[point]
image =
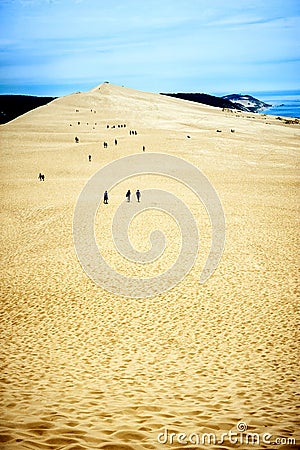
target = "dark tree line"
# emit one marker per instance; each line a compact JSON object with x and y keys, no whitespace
{"x":12,"y":106}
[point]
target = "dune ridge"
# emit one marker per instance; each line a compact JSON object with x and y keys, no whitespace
{"x":85,"y":369}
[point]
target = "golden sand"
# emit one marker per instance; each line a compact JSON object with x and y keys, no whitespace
{"x":86,"y":369}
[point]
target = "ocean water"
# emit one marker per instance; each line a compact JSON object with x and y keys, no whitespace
{"x":284,"y":103}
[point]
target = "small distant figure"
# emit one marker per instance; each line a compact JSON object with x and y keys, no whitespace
{"x":78,"y":123}
{"x":130,"y":132}
{"x":116,"y":142}
{"x":105,"y":198}
{"x":105,"y":144}
{"x":90,"y":158}
{"x":144,"y":148}
{"x":232,"y":130}
{"x":107,"y":126}
{"x":124,"y":125}
{"x":76,"y":139}
{"x":138,"y":195}
{"x":135,"y":132}
{"x":128,"y":194}
{"x":41,"y":177}
{"x":189,"y":137}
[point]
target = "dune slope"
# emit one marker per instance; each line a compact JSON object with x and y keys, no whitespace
{"x":86,"y":369}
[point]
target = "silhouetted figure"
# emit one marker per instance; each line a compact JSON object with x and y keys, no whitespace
{"x":90,"y":158}
{"x":41,"y":177}
{"x":105,"y":197}
{"x":135,"y":133}
{"x":124,"y":125}
{"x":76,"y":140}
{"x":138,"y":195}
{"x":105,"y":144}
{"x":144,"y":148}
{"x":116,"y":142}
{"x":107,"y":126}
{"x":128,"y":194}
{"x":130,"y":132}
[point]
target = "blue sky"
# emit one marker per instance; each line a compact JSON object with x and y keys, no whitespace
{"x":56,"y":47}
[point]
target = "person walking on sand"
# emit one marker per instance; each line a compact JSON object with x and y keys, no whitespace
{"x":128,"y":194}
{"x":116,"y":142}
{"x":144,"y":148}
{"x":105,"y":196}
{"x":90,"y":158}
{"x":138,"y":195}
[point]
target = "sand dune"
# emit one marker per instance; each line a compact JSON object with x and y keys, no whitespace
{"x":86,"y":369}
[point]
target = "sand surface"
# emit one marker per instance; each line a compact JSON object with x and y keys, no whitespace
{"x":85,"y":369}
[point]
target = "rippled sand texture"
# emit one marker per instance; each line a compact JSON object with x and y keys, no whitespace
{"x":85,"y":369}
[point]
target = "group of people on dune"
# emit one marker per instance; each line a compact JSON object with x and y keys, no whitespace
{"x":128,"y":196}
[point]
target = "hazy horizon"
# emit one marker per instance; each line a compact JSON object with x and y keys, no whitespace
{"x":293,"y":92}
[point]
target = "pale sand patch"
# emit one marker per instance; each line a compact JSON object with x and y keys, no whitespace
{"x":84,"y":369}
